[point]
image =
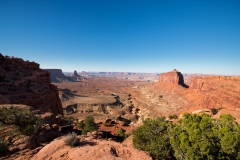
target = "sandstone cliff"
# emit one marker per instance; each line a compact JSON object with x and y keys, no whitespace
{"x":217,"y":93}
{"x":173,"y":77}
{"x":23,"y":82}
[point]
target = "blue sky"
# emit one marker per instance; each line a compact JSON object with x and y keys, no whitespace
{"x":122,"y":35}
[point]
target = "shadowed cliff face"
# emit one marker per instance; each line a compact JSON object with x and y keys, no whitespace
{"x":173,"y":77}
{"x":24,"y":82}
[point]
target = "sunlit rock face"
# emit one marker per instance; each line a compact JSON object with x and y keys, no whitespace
{"x":173,"y":77}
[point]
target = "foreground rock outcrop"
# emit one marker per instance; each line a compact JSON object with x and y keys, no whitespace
{"x":89,"y":148}
{"x":23,"y":82}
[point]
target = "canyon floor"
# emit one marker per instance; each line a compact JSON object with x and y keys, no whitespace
{"x":132,"y":101}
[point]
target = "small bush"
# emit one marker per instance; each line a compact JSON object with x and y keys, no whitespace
{"x":80,"y":125}
{"x":122,"y":134}
{"x":153,"y":138}
{"x":23,"y":119}
{"x":71,"y":139}
{"x":90,"y":125}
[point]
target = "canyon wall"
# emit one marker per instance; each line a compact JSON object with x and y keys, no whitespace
{"x":219,"y":91}
{"x":23,"y":82}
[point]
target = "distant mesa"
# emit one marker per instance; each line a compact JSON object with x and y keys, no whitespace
{"x":76,"y":77}
{"x":84,"y":73}
{"x":172,"y":77}
{"x":57,"y":76}
{"x":75,"y":73}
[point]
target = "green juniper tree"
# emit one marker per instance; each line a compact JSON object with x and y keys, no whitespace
{"x":90,"y":125}
{"x":152,"y":137}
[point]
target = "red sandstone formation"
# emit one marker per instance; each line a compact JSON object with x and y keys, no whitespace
{"x":204,"y":92}
{"x":23,"y":82}
{"x":219,"y":91}
{"x":173,"y":77}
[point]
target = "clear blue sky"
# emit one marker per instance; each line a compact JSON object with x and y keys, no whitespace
{"x":124,"y":35}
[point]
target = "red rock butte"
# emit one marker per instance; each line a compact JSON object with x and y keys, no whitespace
{"x":173,"y":77}
{"x":75,"y":73}
{"x":204,"y":92}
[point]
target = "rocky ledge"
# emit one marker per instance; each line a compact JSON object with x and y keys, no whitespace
{"x":23,"y":82}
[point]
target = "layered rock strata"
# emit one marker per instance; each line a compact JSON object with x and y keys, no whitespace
{"x":23,"y":82}
{"x":217,"y":93}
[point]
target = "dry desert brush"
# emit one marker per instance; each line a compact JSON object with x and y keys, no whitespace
{"x":71,"y":139}
{"x":24,"y":121}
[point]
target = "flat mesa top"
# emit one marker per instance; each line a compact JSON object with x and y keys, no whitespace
{"x":95,"y":100}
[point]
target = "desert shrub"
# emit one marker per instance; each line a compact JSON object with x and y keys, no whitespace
{"x":192,"y":137}
{"x":201,"y":137}
{"x":174,"y":116}
{"x":122,"y":134}
{"x":153,"y":138}
{"x":69,"y":118}
{"x":227,"y":131}
{"x":90,"y":125}
{"x":22,"y":119}
{"x":71,"y":139}
{"x":80,"y":125}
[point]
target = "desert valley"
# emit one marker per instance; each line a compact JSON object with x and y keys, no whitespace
{"x":117,"y":101}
